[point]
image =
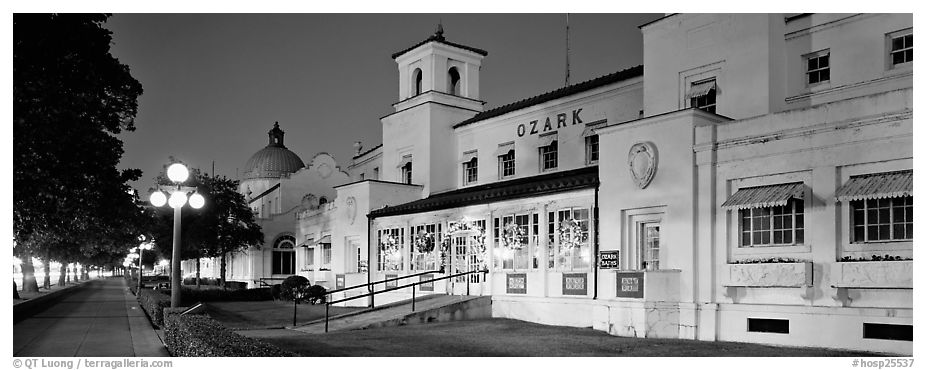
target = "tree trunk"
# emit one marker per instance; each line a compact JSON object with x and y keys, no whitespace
{"x":15,"y":291}
{"x":197,"y":273}
{"x":74,"y":271}
{"x":85,"y":273}
{"x":222,"y":272}
{"x":46,"y":281}
{"x":29,"y":283}
{"x":63,"y":274}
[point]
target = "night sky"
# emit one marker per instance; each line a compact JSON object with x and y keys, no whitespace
{"x":214,"y":84}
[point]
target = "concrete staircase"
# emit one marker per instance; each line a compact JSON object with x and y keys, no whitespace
{"x":432,"y":308}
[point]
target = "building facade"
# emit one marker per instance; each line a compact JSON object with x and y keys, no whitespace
{"x":751,"y":181}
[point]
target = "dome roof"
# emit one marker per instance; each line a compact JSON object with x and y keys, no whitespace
{"x":274,"y":160}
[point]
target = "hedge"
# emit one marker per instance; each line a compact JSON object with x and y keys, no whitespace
{"x":154,"y":302}
{"x":191,"y":295}
{"x":201,"y":336}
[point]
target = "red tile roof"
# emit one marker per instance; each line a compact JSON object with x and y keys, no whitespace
{"x":556,"y":94}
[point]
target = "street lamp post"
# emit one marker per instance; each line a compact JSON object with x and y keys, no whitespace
{"x":144,"y":246}
{"x":178,"y":173}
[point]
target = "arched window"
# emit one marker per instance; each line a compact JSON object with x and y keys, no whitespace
{"x":454,"y":81}
{"x":322,"y":200}
{"x":284,"y":256}
{"x":417,"y":77}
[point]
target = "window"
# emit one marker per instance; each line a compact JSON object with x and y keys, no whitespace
{"x":524,"y":230}
{"x":362,"y":175}
{"x":703,"y":95}
{"x":375,"y":173}
{"x":322,"y":200}
{"x":470,"y":171}
{"x":571,"y":233}
{"x":878,"y":220}
{"x":391,"y":243}
{"x":284,"y":256}
{"x":425,"y":253}
{"x":548,"y":157}
{"x":818,"y":67}
{"x":417,"y":76}
{"x":591,"y":149}
{"x":506,"y":164}
{"x":453,"y":87}
{"x":326,"y":253}
{"x":773,"y":226}
{"x":407,"y":173}
{"x":309,"y":257}
{"x":649,"y":245}
{"x":901,"y":47}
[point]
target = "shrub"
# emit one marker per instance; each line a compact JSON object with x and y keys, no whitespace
{"x":275,"y":291}
{"x":295,"y":288}
{"x":190,"y":295}
{"x":317,"y":294}
{"x":154,"y":302}
{"x":201,"y":336}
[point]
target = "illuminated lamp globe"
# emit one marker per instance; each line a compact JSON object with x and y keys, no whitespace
{"x":177,"y":172}
{"x":158,"y":199}
{"x":177,"y":199}
{"x":197,"y":201}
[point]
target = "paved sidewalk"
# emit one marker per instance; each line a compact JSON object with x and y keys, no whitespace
{"x":102,"y":319}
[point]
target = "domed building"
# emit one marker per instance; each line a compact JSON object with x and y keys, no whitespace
{"x":267,"y":166}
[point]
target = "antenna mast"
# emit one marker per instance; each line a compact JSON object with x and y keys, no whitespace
{"x":567,"y":49}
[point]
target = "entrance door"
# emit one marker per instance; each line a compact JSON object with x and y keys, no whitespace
{"x":466,"y":258}
{"x":649,"y":245}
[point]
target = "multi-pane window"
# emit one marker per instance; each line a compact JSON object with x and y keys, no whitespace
{"x":506,"y":164}
{"x":902,"y":48}
{"x":407,"y":173}
{"x":283,"y":256}
{"x":525,"y":238}
{"x":818,"y":68}
{"x":650,"y":245}
{"x":470,"y":171}
{"x":309,"y":257}
{"x":591,"y":149}
{"x":548,"y":159}
{"x":875,"y":220}
{"x":326,"y":253}
{"x":391,"y":242}
{"x":425,"y":252}
{"x":704,"y":95}
{"x":573,"y":247}
{"x":773,"y":226}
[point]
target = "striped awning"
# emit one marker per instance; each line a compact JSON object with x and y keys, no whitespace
{"x":765,"y":196}
{"x":700,"y":89}
{"x":546,"y":140}
{"x":468,"y":156}
{"x":504,"y":148}
{"x":877,"y":186}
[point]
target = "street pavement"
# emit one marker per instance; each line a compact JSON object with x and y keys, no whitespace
{"x":101,"y":319}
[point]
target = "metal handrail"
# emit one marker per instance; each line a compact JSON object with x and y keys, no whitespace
{"x":412,"y":285}
{"x":381,"y":281}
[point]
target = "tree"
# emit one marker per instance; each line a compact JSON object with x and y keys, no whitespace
{"x":70,"y":98}
{"x":228,"y":222}
{"x":224,"y":225}
{"x":295,"y":288}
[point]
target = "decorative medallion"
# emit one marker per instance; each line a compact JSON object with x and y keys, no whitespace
{"x":642,"y":160}
{"x":351,"y":209}
{"x":324,"y":170}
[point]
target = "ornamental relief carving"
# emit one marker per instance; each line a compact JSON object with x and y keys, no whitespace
{"x":642,"y":161}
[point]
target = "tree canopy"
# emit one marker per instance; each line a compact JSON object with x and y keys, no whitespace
{"x":70,"y":98}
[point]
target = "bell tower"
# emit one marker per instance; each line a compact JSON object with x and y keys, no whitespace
{"x":439,"y":70}
{"x":438,"y":88}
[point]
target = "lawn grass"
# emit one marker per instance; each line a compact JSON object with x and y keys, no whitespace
{"x":505,"y":337}
{"x":268,"y":314}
